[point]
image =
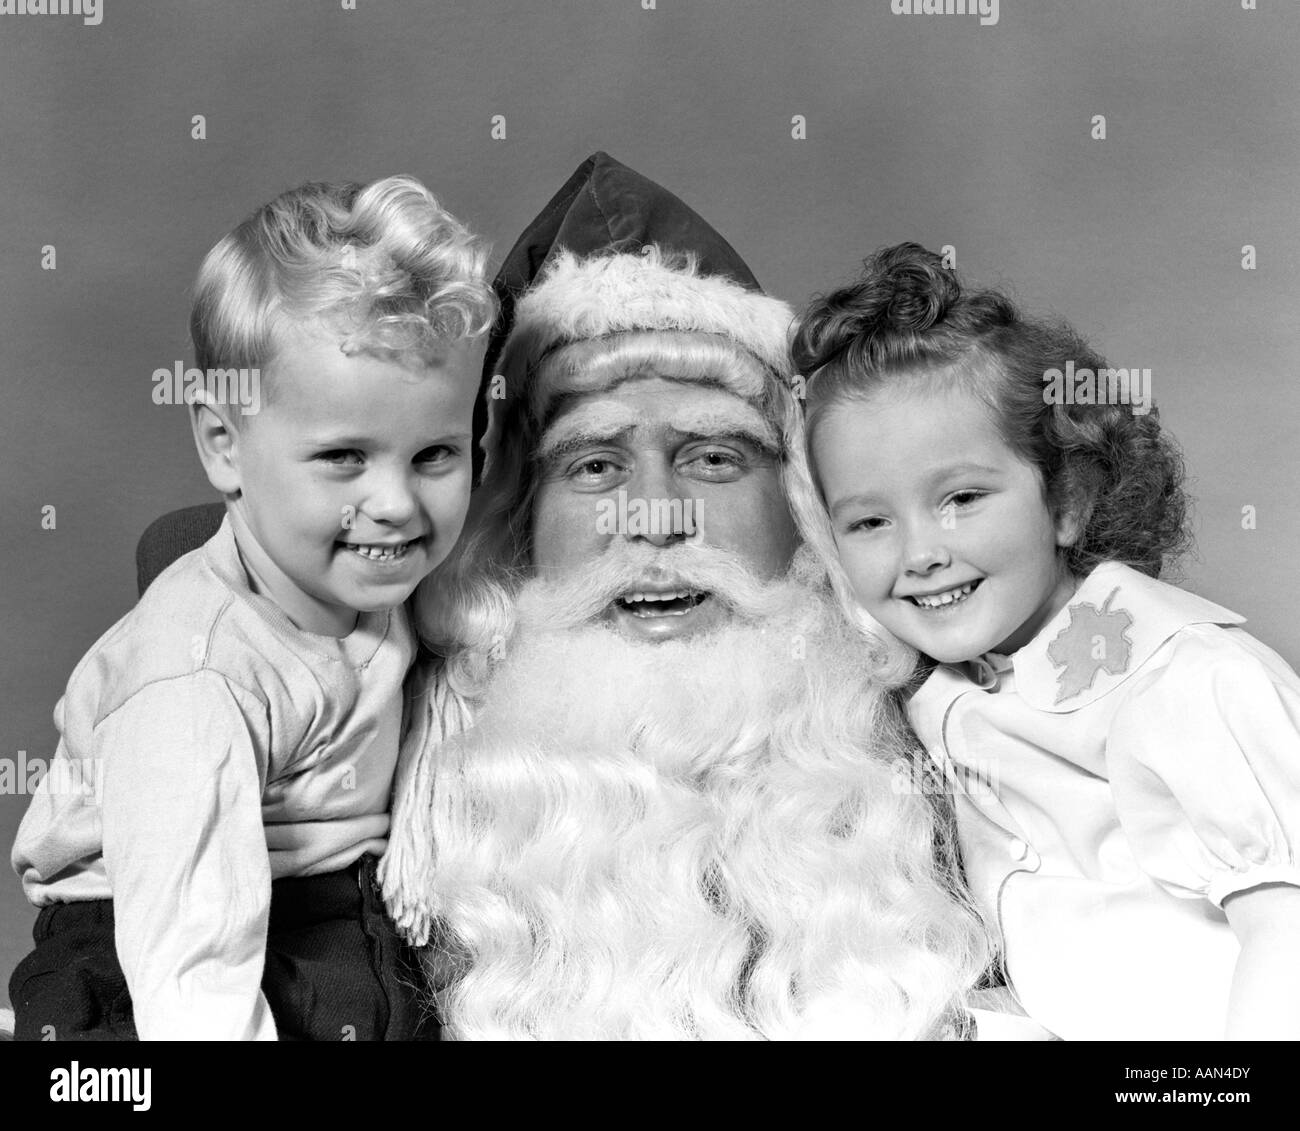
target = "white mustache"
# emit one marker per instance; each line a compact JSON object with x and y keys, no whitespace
{"x":558,"y":604}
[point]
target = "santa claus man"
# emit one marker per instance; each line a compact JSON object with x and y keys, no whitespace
{"x":660,"y":788}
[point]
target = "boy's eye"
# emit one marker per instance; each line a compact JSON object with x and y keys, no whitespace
{"x":341,"y":456}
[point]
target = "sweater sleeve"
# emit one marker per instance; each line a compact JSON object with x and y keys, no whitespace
{"x":1204,"y":761}
{"x":186,"y":858}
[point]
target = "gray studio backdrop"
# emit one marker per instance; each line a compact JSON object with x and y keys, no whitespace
{"x":925,"y":127}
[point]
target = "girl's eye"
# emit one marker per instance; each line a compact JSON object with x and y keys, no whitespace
{"x":872,"y":523}
{"x":439,"y":455}
{"x":963,"y":498}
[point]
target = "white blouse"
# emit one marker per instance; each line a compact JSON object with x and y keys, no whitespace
{"x":1116,"y":780}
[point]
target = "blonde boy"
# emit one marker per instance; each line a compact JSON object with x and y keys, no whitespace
{"x":242,"y":723}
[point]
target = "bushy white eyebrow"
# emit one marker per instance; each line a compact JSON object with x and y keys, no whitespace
{"x":607,"y":422}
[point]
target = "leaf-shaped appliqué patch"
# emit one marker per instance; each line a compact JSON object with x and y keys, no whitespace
{"x":1095,"y":640}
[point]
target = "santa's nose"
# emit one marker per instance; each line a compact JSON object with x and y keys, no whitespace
{"x":657,"y":511}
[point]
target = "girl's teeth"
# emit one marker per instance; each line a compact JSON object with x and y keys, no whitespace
{"x":948,"y":598}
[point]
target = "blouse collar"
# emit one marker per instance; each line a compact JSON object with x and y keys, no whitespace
{"x":1112,"y":625}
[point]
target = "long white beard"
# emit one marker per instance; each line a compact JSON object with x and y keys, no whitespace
{"x":688,"y":839}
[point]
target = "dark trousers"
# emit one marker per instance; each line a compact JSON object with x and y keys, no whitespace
{"x":335,"y":970}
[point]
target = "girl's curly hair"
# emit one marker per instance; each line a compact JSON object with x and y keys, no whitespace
{"x":908,"y":316}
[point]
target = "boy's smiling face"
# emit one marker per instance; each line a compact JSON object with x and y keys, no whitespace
{"x":354,"y":477}
{"x":942,"y":528}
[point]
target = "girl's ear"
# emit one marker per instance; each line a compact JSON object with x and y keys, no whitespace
{"x":1069,"y":522}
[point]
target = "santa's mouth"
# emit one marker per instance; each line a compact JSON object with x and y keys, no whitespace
{"x":671,"y":603}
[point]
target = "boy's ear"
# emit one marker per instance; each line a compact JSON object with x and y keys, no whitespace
{"x":217,"y":441}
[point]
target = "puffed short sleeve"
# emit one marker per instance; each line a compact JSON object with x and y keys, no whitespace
{"x":1203,"y":756}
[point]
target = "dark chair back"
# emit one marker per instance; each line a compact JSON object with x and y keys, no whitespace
{"x":173,"y":535}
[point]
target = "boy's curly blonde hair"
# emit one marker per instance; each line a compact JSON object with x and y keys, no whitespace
{"x":384,"y":266}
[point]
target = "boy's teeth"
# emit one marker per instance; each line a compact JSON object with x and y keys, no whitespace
{"x":379,"y":553}
{"x":947,"y":598}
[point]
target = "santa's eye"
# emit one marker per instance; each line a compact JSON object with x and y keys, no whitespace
{"x":715,"y":464}
{"x":593,"y":471}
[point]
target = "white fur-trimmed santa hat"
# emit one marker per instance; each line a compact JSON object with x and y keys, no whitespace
{"x":577,"y":299}
{"x":613,"y":252}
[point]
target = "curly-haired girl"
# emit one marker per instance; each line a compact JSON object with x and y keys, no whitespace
{"x":1126,"y":757}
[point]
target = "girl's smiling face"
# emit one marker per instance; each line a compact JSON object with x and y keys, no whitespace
{"x":943,"y":530}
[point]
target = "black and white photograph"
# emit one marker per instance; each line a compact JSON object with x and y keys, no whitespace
{"x":651,"y":520}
